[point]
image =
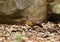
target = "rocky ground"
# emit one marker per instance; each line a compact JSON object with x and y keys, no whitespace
{"x":48,"y":32}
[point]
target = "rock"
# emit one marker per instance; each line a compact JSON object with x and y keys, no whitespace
{"x":54,"y":13}
{"x":56,"y":8}
{"x":11,"y":6}
{"x":11,"y":10}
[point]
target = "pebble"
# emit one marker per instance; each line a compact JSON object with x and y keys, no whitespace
{"x":36,"y":31}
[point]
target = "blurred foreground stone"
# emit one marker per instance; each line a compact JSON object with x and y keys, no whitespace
{"x":10,"y":6}
{"x":11,"y":10}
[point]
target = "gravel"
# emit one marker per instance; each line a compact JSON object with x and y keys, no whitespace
{"x":49,"y":32}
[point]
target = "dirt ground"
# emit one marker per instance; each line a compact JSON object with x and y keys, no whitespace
{"x":48,"y":32}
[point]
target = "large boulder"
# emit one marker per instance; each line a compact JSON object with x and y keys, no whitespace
{"x":35,"y":10}
{"x":10,"y":6}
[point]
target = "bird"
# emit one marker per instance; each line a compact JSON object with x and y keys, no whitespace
{"x":31,"y":21}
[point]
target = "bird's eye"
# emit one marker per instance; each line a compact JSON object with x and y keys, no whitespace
{"x":27,"y":15}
